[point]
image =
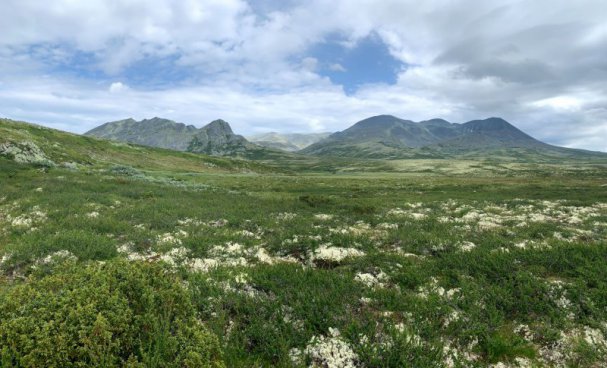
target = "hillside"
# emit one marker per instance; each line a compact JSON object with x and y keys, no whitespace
{"x":29,"y":143}
{"x":287,"y":142}
{"x":218,"y":139}
{"x":420,"y":269}
{"x":215,"y":138}
{"x":389,"y":137}
{"x":389,"y":269}
{"x":155,"y":132}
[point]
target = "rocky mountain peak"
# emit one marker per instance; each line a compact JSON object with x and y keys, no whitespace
{"x":218,"y":127}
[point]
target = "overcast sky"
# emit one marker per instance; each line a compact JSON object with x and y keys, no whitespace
{"x":314,"y":65}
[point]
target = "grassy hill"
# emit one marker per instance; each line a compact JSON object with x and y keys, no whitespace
{"x":144,"y":257}
{"x":215,"y":138}
{"x":71,"y":150}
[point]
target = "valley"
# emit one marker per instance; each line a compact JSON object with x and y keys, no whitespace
{"x":144,"y":256}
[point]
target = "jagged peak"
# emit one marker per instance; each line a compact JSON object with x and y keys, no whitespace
{"x":219,"y":125}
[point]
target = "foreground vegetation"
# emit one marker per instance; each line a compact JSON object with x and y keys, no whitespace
{"x":110,"y":264}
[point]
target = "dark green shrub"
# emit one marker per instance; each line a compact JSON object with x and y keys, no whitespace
{"x":315,"y":200}
{"x":124,"y":170}
{"x":103,"y":315}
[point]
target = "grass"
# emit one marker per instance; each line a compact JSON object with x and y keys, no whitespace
{"x":447,"y":268}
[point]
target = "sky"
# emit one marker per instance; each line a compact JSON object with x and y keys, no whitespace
{"x":308,"y":66}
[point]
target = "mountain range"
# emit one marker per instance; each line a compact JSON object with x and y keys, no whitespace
{"x":378,"y":137}
{"x":389,"y":137}
{"x":287,"y":142}
{"x":215,"y":138}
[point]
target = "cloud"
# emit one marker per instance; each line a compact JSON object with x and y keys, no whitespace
{"x":559,"y":103}
{"x":117,"y":87}
{"x":538,"y":64}
{"x":309,"y":63}
{"x":337,"y":68}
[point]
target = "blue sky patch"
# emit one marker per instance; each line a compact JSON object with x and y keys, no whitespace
{"x":369,"y":61}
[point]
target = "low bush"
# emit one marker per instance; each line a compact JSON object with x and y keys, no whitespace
{"x":103,"y":315}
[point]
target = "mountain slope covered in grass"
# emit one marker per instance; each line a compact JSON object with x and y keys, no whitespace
{"x":155,"y":132}
{"x":119,"y":255}
{"x":389,"y":137}
{"x":29,"y":143}
{"x":100,"y":268}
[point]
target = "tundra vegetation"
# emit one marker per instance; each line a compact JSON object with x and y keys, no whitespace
{"x":120,"y":255}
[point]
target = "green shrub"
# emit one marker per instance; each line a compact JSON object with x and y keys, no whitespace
{"x":124,"y":170}
{"x":103,"y":315}
{"x":315,"y":200}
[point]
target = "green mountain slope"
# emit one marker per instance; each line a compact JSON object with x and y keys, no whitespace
{"x":389,"y":137}
{"x":216,"y":138}
{"x":29,"y":143}
{"x":155,"y":132}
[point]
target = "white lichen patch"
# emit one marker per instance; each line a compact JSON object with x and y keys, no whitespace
{"x":56,"y":257}
{"x":452,"y":317}
{"x":175,"y":256}
{"x":217,"y":223}
{"x":414,"y":213}
{"x":360,"y":229}
{"x":92,"y":215}
{"x":558,"y":293}
{"x":171,"y":238}
{"x":190,"y":222}
{"x":27,"y":220}
{"x":433,"y":288}
{"x":323,"y":217}
{"x":460,"y":357}
{"x":285,"y":216}
{"x":562,"y":352}
{"x":5,"y":258}
{"x":203,"y":264}
{"x":289,"y":318}
{"x":25,"y":152}
{"x":370,"y":280}
{"x":329,"y":253}
{"x":490,"y":216}
{"x":228,"y":249}
{"x":387,"y":226}
{"x":296,"y":356}
{"x":263,"y":256}
{"x":331,"y":351}
{"x":466,"y":246}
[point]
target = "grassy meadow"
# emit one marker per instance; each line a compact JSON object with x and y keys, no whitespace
{"x":150,"y":258}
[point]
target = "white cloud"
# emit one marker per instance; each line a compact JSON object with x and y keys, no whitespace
{"x":309,"y":64}
{"x":316,"y":125}
{"x":337,"y":68}
{"x":117,"y":87}
{"x":559,"y":103}
{"x":467,"y":59}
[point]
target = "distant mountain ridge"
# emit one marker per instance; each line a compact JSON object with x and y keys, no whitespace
{"x":215,"y":138}
{"x":378,"y":137}
{"x":386,"y":136}
{"x":155,"y":132}
{"x":287,"y":142}
{"x":218,"y":139}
